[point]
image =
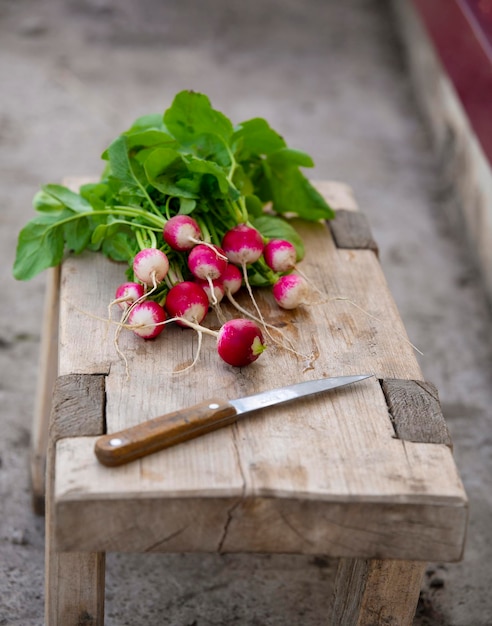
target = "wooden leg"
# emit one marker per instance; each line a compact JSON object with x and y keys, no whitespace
{"x":74,"y":580}
{"x":48,"y":366}
{"x":372,"y":592}
{"x":75,"y":588}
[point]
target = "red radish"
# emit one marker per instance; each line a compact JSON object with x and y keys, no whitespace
{"x":206,"y":262}
{"x":240,"y":342}
{"x":127,"y":294}
{"x":290,"y":291}
{"x":242,"y":245}
{"x":232,"y":279}
{"x":187,"y":300}
{"x":182,"y":233}
{"x":214,"y":289}
{"x":150,"y":266}
{"x":280,"y":255}
{"x":146,"y":319}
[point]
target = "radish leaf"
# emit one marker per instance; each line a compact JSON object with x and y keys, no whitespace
{"x":190,"y":160}
{"x":40,"y":245}
{"x":191,"y":116}
{"x":77,"y":234}
{"x":256,"y":137}
{"x":119,"y":161}
{"x":64,"y":196}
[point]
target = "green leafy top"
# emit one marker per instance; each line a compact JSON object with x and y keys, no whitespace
{"x":190,"y":160}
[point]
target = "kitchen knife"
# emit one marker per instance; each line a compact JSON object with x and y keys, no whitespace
{"x":179,"y":426}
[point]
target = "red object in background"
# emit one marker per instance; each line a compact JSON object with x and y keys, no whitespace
{"x":461,"y":31}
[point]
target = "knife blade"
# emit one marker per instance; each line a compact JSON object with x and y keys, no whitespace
{"x":184,"y":424}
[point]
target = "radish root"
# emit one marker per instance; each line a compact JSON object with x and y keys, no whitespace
{"x":286,"y":344}
{"x":259,"y":318}
{"x":377,"y":319}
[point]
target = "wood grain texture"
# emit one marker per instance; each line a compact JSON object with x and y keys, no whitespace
{"x":78,"y":407}
{"x":237,"y":523}
{"x":376,"y":593}
{"x":415,"y":411}
{"x":75,"y":589}
{"x":350,"y":229}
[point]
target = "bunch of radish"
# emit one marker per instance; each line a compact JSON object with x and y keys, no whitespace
{"x":197,"y":206}
{"x":165,"y":290}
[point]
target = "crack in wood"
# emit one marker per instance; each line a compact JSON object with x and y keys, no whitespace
{"x":155,"y":546}
{"x":295,"y":530}
{"x":230,"y":512}
{"x":230,"y":515}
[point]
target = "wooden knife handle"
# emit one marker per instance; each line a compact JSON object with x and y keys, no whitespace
{"x":164,"y":431}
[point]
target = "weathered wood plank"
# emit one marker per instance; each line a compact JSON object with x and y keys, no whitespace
{"x":74,"y":580}
{"x":415,"y":411}
{"x":350,"y":229}
{"x":375,"y":592}
{"x":272,"y":460}
{"x":258,"y":524}
{"x":75,"y":589}
{"x":79,"y":402}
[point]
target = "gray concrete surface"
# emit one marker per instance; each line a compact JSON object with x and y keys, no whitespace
{"x":331,"y":78}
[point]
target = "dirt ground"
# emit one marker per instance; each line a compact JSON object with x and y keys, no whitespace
{"x":331,"y":78}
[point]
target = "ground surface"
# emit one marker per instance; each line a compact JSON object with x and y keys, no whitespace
{"x":331,"y":78}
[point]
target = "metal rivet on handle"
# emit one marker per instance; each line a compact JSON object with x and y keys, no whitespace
{"x":213,"y":405}
{"x":115,"y":442}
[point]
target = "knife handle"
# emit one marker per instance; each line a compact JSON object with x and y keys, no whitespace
{"x":164,"y":431}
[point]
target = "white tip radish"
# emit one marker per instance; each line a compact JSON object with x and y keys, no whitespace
{"x":232,"y":279}
{"x":187,"y":300}
{"x":242,"y":245}
{"x":240,"y":342}
{"x":146,"y":319}
{"x":181,"y":233}
{"x":127,"y":294}
{"x":214,"y":289}
{"x":280,"y":255}
{"x":150,"y":266}
{"x":206,"y":262}
{"x":290,"y":291}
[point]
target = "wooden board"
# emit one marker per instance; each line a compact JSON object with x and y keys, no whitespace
{"x":326,"y":475}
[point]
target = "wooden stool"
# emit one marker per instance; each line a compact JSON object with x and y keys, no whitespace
{"x":364,"y":473}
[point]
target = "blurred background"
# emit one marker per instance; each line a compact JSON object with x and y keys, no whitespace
{"x":334,"y":79}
